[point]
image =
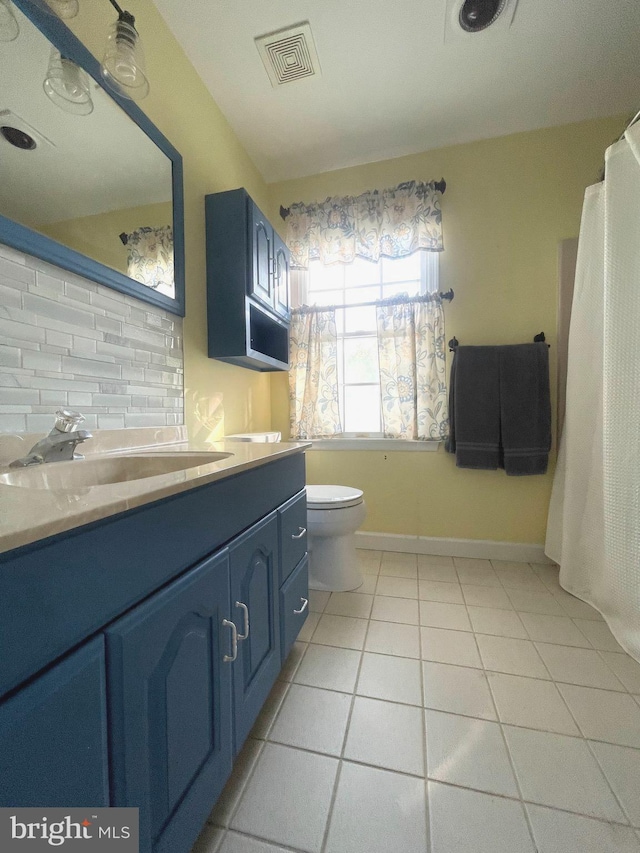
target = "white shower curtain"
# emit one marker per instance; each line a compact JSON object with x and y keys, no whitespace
{"x":593,"y":529}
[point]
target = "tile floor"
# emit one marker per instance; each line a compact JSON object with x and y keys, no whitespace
{"x":447,"y":706}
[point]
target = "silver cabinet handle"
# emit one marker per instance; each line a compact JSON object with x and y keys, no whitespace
{"x":245,"y":610}
{"x":305,"y":604}
{"x":234,"y":641}
{"x":302,"y":530}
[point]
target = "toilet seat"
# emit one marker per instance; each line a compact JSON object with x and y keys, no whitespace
{"x":333,"y":497}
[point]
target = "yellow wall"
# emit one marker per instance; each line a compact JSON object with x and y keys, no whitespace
{"x":98,"y":236}
{"x":508,"y":203}
{"x":182,"y":108}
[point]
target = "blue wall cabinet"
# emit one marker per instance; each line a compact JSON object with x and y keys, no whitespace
{"x":247,"y":284}
{"x":53,"y":736}
{"x":253,"y":560}
{"x":281,"y":276}
{"x":170,"y":706}
{"x":261,"y":282}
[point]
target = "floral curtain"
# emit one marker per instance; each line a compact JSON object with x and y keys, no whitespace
{"x":411,"y":356}
{"x":392,"y":223}
{"x":313,"y":377}
{"x":150,"y":258}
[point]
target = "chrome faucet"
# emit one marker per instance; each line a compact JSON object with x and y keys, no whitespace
{"x":60,"y":444}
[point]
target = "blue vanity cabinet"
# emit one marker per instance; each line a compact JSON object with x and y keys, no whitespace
{"x":247,"y":284}
{"x":53,"y":736}
{"x":170,"y":706}
{"x":254,"y":567}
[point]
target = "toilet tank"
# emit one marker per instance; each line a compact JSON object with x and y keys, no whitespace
{"x":262,"y":437}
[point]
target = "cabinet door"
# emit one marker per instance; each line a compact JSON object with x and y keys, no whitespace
{"x":170,"y":706}
{"x":53,"y":736}
{"x":281,"y":277}
{"x":261,"y":280}
{"x":253,"y":559}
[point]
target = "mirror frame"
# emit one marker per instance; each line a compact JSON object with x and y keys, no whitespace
{"x":33,"y":243}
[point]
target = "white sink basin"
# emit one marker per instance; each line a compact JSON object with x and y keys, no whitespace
{"x":86,"y":473}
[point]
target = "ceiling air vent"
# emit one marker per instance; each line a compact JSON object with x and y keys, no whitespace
{"x":289,"y":54}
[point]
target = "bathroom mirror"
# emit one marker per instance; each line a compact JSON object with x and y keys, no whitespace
{"x":97,"y":191}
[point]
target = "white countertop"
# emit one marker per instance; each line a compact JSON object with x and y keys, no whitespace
{"x":28,"y":515}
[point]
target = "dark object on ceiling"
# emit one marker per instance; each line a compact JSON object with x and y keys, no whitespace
{"x":477,"y":15}
{"x":18,"y":138}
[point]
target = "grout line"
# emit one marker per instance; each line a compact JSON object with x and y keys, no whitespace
{"x":341,"y":759}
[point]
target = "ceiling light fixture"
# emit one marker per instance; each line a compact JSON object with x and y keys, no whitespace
{"x":123,"y":66}
{"x":477,"y":15}
{"x":9,"y":28}
{"x":64,"y":8}
{"x":67,"y":85}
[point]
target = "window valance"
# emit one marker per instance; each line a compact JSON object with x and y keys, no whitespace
{"x":390,"y":223}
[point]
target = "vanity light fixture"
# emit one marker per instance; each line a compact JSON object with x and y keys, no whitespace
{"x":67,"y":85}
{"x":123,"y":66}
{"x":64,"y":8}
{"x":9,"y":28}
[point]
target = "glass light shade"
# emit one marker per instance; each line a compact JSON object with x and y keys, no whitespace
{"x":123,"y":66}
{"x":67,"y":85}
{"x":64,"y":8}
{"x":9,"y":28}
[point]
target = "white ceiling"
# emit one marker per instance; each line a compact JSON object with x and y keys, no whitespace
{"x":391,"y":85}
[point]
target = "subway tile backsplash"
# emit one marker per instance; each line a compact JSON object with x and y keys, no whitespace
{"x":66,"y":341}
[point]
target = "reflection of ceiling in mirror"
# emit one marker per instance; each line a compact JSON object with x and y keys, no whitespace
{"x":97,"y":163}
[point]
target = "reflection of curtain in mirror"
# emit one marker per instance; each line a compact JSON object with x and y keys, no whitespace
{"x":150,"y":258}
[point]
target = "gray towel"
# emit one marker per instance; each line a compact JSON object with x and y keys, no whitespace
{"x":474,"y":407}
{"x":525,"y":408}
{"x":499,"y":408}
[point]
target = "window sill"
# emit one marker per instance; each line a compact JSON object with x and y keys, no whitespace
{"x":374,"y":444}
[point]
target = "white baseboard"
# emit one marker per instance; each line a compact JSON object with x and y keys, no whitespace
{"x":484,"y":549}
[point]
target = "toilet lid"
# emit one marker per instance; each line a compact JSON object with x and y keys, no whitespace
{"x":333,"y":497}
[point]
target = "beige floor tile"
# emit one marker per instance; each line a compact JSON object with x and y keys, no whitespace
{"x":560,"y":832}
{"x":517,"y":657}
{"x":349,"y":604}
{"x":318,"y":599}
{"x":399,"y":587}
{"x":486,"y":596}
{"x":531,"y":703}
{"x":578,"y":666}
{"x":598,"y":634}
{"x":386,"y":608}
{"x":391,"y":638}
{"x":377,"y":811}
{"x":501,"y":623}
{"x":621,"y":766}
{"x":230,"y":797}
{"x":310,"y":625}
{"x":530,"y":601}
{"x":454,"y":647}
{"x":554,"y":629}
{"x":458,"y":690}
{"x":436,"y":614}
{"x":430,"y":590}
{"x":387,"y":735}
{"x":311,"y":718}
{"x":399,"y":565}
{"x":343,"y":631}
{"x":468,"y":752}
{"x":266,"y":810}
{"x":604,"y":715}
{"x":558,"y":771}
{"x":330,"y":668}
{"x":625,"y":667}
{"x":464,"y":821}
{"x":392,"y":678}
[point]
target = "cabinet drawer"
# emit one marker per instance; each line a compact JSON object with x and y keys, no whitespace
{"x":292,"y":518}
{"x":294,"y":606}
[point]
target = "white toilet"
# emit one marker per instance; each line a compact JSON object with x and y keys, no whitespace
{"x":334,"y":513}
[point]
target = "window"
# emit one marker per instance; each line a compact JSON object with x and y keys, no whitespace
{"x":344,"y":285}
